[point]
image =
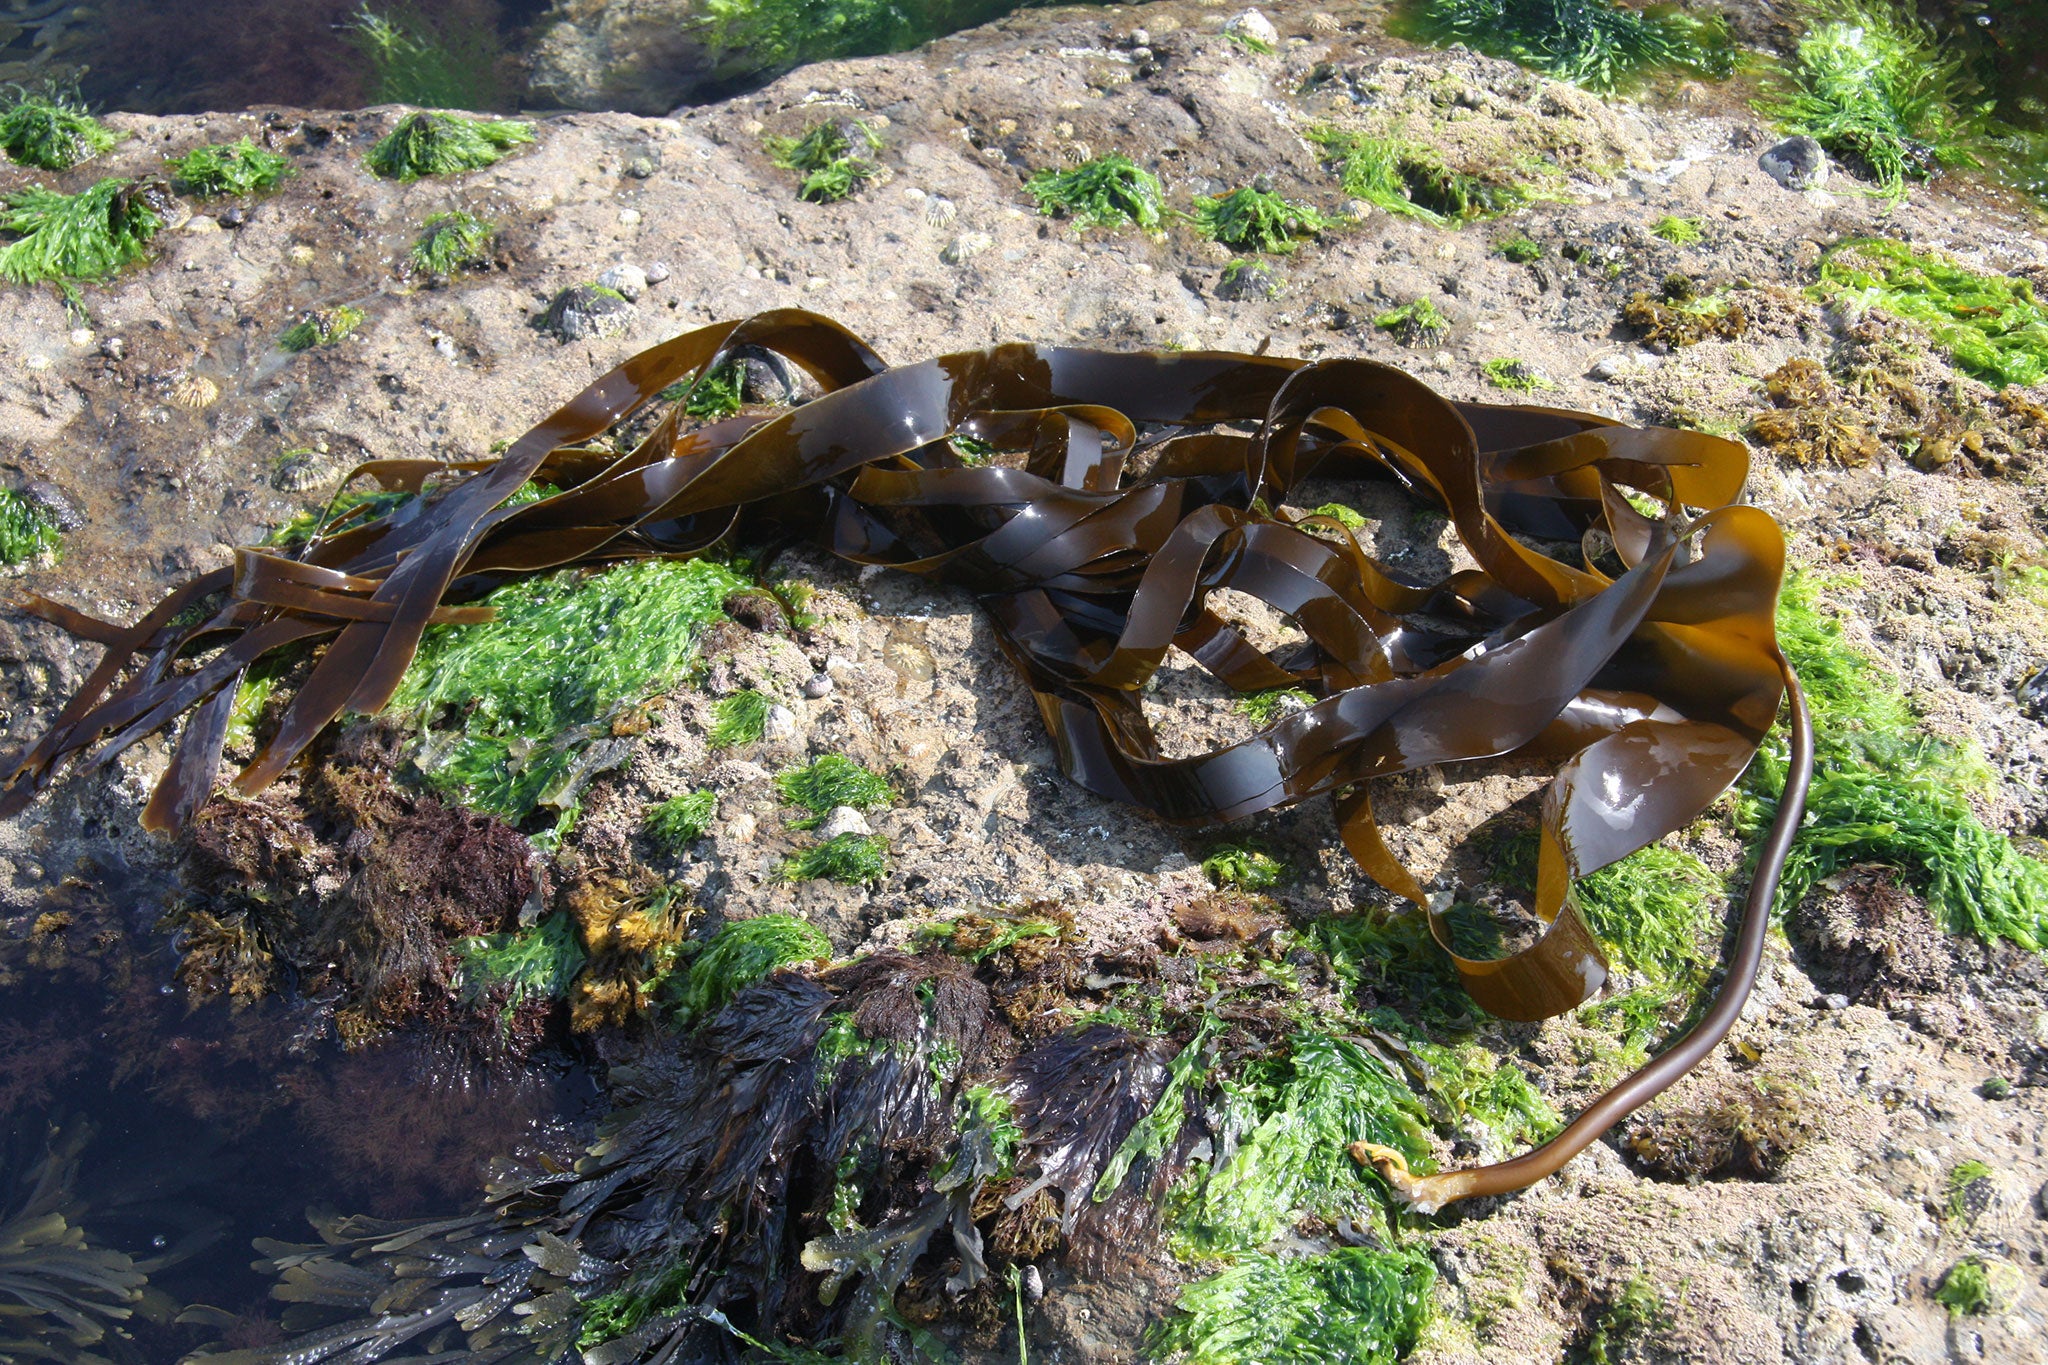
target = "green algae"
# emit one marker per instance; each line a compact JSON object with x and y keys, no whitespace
{"x":1594,"y":43}
{"x":1626,"y":1324}
{"x":833,"y":780}
{"x":1344,"y":516}
{"x":506,"y":710}
{"x":446,"y":63}
{"x":1516,"y":376}
{"x":1871,"y":82}
{"x":680,"y":821}
{"x":1965,"y":1291}
{"x":1961,"y":1177}
{"x":1108,"y":192}
{"x":825,"y":158}
{"x":1991,"y":325}
{"x":720,"y":393}
{"x":854,"y":859}
{"x":1150,"y":1137}
{"x":27,"y":531}
{"x":741,"y":718}
{"x":1294,"y":1117}
{"x":321,"y":327}
{"x":66,"y":238}
{"x":50,"y":131}
{"x":1244,"y":866}
{"x":528,"y":966}
{"x":1410,"y":179}
{"x":427,"y":143}
{"x":1472,"y":1083}
{"x":1418,"y":323}
{"x":1521,"y":249}
{"x":449,"y":241}
{"x":1256,"y":219}
{"x":347,"y":510}
{"x":742,"y":953}
{"x":228,"y":169}
{"x":1677,"y":231}
{"x":1885,"y":791}
{"x":1358,"y":1305}
{"x":1263,"y":708}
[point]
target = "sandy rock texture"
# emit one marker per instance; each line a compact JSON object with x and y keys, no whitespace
{"x":167,"y":416}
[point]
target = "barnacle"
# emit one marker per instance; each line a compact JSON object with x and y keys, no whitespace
{"x":1502,"y":657}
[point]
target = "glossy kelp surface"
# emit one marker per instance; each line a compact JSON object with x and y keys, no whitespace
{"x":1653,"y":686}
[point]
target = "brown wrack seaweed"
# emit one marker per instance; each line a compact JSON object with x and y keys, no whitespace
{"x":1652,"y":685}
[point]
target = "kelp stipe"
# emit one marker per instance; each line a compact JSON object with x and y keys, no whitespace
{"x":1653,"y":686}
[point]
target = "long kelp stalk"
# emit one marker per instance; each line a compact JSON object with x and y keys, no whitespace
{"x":1653,"y":679}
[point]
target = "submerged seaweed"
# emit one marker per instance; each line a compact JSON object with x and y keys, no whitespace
{"x":64,"y":1296}
{"x":1595,"y":43}
{"x":1410,"y":179}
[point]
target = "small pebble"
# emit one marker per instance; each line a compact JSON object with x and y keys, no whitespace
{"x":819,"y":685}
{"x":114,"y":348}
{"x":233,"y":218}
{"x":657,"y":271}
{"x":1254,"y":26}
{"x":780,"y":724}
{"x":1608,"y":368}
{"x":1834,"y":1000}
{"x":629,"y":217}
{"x":843,"y":820}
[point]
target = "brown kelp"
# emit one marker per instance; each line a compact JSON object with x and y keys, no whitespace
{"x":1126,"y":489}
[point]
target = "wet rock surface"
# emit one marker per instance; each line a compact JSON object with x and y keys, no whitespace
{"x":172,"y":428}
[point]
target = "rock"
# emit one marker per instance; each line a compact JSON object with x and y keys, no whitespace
{"x":629,"y":280}
{"x":1246,"y":279}
{"x":657,"y":271}
{"x":780,"y":724}
{"x":56,"y":502}
{"x":843,"y":820}
{"x":1797,"y":163}
{"x":583,"y":312}
{"x":2033,"y":693}
{"x":1254,"y":26}
{"x":819,"y":685}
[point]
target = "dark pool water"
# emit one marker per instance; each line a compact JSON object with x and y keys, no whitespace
{"x":212,"y":1126}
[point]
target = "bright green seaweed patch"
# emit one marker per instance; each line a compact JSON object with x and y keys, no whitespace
{"x":531,"y":964}
{"x":70,"y":237}
{"x":1677,"y":231}
{"x":1516,"y":376}
{"x":1416,"y":323}
{"x":321,"y":327}
{"x":1965,"y":1290}
{"x":855,"y":859}
{"x":825,"y":158}
{"x":740,"y":718}
{"x":508,"y":708}
{"x":1410,"y":179}
{"x":26,"y":530}
{"x":1635,"y":1315}
{"x":1358,"y":1305}
{"x":1263,"y":708}
{"x":1872,"y":82}
{"x":742,"y":953}
{"x":1595,"y":43}
{"x":1256,"y":219}
{"x":1346,"y":517}
{"x":228,"y":168}
{"x":444,"y":144}
{"x":834,"y":780}
{"x":1992,"y":325}
{"x":1885,"y":791}
{"x":448,"y":63}
{"x":720,"y":393}
{"x":1153,"y":1134}
{"x":1298,"y":1115}
{"x":1244,"y":866}
{"x":51,"y":132}
{"x":450,"y":241}
{"x":680,"y":821}
{"x":1107,"y":192}
{"x":1520,"y":248}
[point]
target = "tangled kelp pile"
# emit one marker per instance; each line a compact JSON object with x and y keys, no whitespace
{"x":1650,"y":662}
